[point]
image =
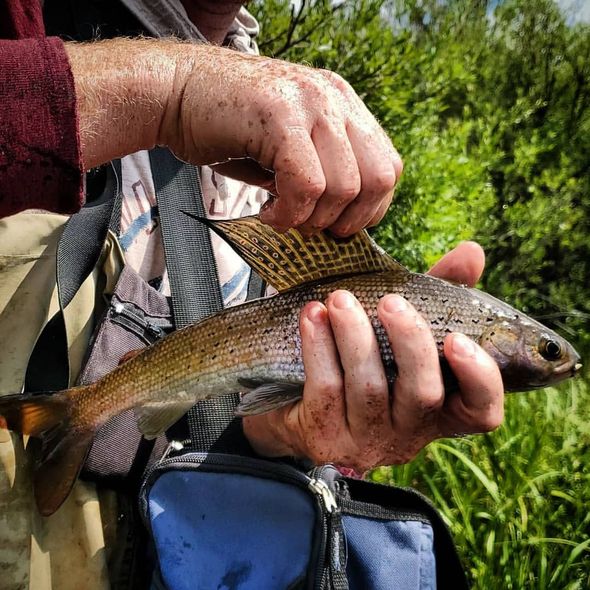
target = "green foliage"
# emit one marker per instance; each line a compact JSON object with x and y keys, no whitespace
{"x":489,"y":104}
{"x":491,"y":111}
{"x":516,"y":500}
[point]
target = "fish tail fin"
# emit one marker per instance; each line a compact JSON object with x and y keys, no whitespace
{"x":64,"y":442}
{"x":33,"y":414}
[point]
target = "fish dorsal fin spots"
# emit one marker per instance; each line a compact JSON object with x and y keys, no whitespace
{"x":154,"y":419}
{"x":288,"y":260}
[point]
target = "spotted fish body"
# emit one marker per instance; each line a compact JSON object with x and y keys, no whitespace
{"x":257,"y":346}
{"x":259,"y":342}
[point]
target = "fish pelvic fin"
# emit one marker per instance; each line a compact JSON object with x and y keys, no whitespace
{"x":155,"y":419}
{"x":64,"y":444}
{"x":266,"y":397}
{"x":289,"y":260}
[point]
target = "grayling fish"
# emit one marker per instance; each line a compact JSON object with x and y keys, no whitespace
{"x":257,"y":346}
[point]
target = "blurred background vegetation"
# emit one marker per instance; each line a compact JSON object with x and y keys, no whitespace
{"x":488,"y":101}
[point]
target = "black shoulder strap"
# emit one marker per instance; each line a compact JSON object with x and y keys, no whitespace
{"x":192,"y":271}
{"x":78,"y":252}
{"x":187,"y":247}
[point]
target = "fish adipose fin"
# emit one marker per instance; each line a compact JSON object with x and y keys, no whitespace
{"x":266,"y":397}
{"x":154,"y":419}
{"x":64,"y":445}
{"x":288,"y":260}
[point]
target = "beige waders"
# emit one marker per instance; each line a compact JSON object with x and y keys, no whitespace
{"x":65,"y":551}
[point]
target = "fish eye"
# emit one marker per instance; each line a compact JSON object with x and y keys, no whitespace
{"x":550,"y":349}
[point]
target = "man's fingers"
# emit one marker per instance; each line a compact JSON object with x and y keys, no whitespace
{"x":299,"y":180}
{"x":341,"y":172}
{"x":479,"y":406}
{"x":464,"y":264}
{"x":418,"y":390}
{"x":379,"y":165}
{"x":323,"y":398}
{"x":367,"y":396}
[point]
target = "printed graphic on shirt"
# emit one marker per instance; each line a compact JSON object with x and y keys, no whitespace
{"x":225,"y":198}
{"x":141,"y":237}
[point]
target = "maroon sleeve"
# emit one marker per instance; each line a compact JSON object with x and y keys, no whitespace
{"x":20,"y":19}
{"x":40,"y":162}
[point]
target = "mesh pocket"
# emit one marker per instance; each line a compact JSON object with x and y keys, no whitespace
{"x":137,"y":316}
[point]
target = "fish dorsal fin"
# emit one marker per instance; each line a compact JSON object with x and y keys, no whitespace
{"x":288,"y":260}
{"x":154,"y":419}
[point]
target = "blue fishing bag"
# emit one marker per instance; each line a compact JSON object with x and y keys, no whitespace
{"x":230,"y":522}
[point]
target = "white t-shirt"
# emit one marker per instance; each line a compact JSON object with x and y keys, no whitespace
{"x":141,"y":237}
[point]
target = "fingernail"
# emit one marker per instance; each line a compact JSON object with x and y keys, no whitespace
{"x":394,"y":303}
{"x":342,"y":231}
{"x":343,"y":300}
{"x":316,"y":314}
{"x":463,"y":346}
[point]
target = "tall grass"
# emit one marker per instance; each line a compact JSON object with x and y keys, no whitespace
{"x":517,"y":500}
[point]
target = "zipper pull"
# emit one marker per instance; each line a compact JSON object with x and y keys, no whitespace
{"x":173,"y":446}
{"x":320,"y":488}
{"x":336,"y":549}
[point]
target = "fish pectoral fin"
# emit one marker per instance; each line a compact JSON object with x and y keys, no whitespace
{"x":267,"y":397}
{"x":289,"y":260}
{"x":154,"y":419}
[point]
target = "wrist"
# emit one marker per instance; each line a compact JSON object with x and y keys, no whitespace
{"x":122,"y":88}
{"x":270,"y":436}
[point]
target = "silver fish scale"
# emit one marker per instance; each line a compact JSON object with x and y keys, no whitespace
{"x":260,"y":342}
{"x":446,"y":307}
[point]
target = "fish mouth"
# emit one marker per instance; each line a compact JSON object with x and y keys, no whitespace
{"x":567,"y":369}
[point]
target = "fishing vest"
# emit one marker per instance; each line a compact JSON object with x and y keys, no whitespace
{"x":59,"y":277}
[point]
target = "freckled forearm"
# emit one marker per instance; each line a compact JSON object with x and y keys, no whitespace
{"x":122,"y":90}
{"x":133,"y":94}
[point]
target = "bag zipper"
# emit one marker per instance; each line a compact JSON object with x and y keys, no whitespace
{"x":333,"y":547}
{"x":148,"y":331}
{"x":321,"y":489}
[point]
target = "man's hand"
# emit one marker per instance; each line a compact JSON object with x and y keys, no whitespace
{"x":347,"y":416}
{"x":300,"y":132}
{"x":330,"y":163}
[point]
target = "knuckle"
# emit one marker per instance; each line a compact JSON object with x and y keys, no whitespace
{"x":306,"y":193}
{"x":430,"y":402}
{"x":347,"y":194}
{"x":313,"y":189}
{"x":328,"y":386}
{"x":373,"y":392}
{"x":383,"y":182}
{"x":487,"y":421}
